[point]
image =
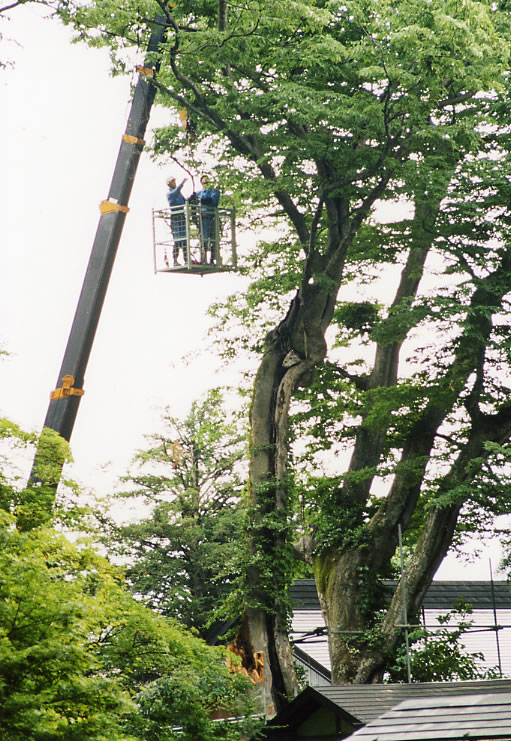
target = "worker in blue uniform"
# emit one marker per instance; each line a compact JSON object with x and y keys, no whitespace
{"x":177,"y":217}
{"x":208,"y":199}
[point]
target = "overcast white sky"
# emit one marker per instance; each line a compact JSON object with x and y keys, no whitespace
{"x":62,"y":120}
{"x":60,"y":139}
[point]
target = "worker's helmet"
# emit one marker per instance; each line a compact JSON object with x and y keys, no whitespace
{"x":170,"y":179}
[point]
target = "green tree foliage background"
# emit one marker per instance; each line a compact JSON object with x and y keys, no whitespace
{"x":183,"y":556}
{"x":80,"y":658}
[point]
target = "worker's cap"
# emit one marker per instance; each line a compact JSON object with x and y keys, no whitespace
{"x":171,"y":179}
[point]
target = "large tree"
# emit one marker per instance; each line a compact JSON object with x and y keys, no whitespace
{"x":320,"y":114}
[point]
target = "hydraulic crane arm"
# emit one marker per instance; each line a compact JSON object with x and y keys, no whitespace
{"x":65,"y":400}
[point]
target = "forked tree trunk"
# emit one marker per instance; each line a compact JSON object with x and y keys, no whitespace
{"x":347,"y":577}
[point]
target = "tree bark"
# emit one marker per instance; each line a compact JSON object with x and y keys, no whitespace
{"x":292,"y":351}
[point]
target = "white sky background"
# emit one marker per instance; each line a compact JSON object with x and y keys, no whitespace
{"x":62,"y":120}
{"x":61,"y":128}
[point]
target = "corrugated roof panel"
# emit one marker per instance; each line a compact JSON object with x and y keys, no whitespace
{"x":485,"y":699}
{"x":426,"y":736}
{"x":315,"y":673}
{"x":414,"y":723}
{"x":483,"y":640}
{"x":477,"y":716}
{"x":450,"y":712}
{"x":307,"y":621}
{"x":367,"y":702}
{"x":480,"y":594}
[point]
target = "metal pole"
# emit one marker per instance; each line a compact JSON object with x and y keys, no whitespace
{"x":154,"y":243}
{"x":405,"y":609}
{"x":497,"y":641}
{"x":233,"y":238}
{"x":187,"y":227}
{"x":64,"y":401}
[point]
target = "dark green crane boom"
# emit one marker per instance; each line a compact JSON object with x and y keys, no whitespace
{"x":65,"y":400}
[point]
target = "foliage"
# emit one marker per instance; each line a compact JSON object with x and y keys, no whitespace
{"x":51,"y":684}
{"x":36,"y":503}
{"x":182,"y":556}
{"x":80,"y":658}
{"x":202,"y":702}
{"x":439,"y":655}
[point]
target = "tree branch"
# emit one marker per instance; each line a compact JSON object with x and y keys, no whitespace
{"x":400,"y":503}
{"x":370,"y":442}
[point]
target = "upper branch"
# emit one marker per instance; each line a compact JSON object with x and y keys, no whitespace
{"x":486,"y":299}
{"x":247,"y":145}
{"x":370,"y":441}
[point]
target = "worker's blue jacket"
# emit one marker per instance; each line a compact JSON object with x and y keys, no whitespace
{"x":174,"y":196}
{"x":208,"y":198}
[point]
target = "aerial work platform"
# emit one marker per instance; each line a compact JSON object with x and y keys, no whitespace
{"x":193,"y":239}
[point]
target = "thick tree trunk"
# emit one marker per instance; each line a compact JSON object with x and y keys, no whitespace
{"x":293,"y":349}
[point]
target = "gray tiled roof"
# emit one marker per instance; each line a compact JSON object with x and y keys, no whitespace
{"x":441,"y":595}
{"x":478,"y":716}
{"x":368,"y":701}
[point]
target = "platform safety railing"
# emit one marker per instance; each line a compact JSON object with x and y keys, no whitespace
{"x":192,"y":238}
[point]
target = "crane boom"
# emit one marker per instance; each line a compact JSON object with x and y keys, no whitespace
{"x":65,"y":400}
